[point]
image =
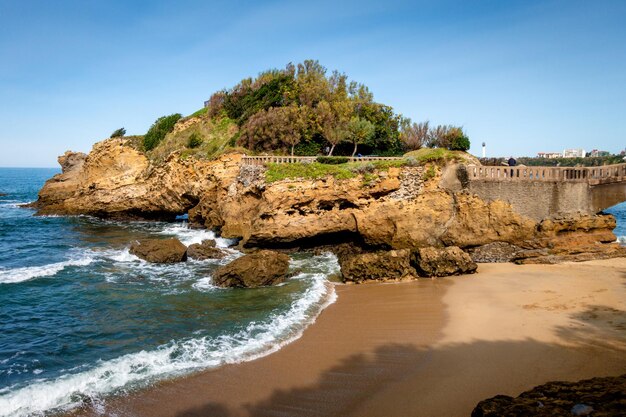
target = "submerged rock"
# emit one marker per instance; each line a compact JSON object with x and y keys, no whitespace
{"x":159,"y":250}
{"x":258,"y":269}
{"x":596,"y":396}
{"x":205,"y":250}
{"x":381,"y":265}
{"x":441,"y":262}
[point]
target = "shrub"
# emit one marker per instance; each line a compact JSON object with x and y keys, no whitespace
{"x":161,"y":127}
{"x":459,"y":143}
{"x":118,"y":133}
{"x":194,"y":140}
{"x":363,"y":168}
{"x":332,"y":160}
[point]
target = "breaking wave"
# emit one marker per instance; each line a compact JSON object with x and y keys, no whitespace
{"x":138,"y":369}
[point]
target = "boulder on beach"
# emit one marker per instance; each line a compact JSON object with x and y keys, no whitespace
{"x":441,"y":262}
{"x":596,"y":396}
{"x":205,"y":250}
{"x":261,"y":268}
{"x":381,"y":265}
{"x":159,"y":250}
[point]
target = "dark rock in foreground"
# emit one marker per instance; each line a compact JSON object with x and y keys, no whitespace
{"x":441,"y":262}
{"x":592,"y":397}
{"x":258,"y":269}
{"x":205,"y":250}
{"x":159,"y":250}
{"x":380,"y":265}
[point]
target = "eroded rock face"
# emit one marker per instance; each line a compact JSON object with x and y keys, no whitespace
{"x":117,"y":181}
{"x":381,"y":265}
{"x":495,"y":252}
{"x":205,"y":250}
{"x":258,"y":269}
{"x":593,"y":397}
{"x":395,"y":209}
{"x":159,"y":250}
{"x":441,"y":262}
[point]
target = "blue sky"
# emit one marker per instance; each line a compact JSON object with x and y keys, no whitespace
{"x":523,"y":76}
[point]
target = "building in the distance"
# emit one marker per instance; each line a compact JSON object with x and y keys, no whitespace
{"x":597,"y":153}
{"x":574,"y":153}
{"x":549,"y":155}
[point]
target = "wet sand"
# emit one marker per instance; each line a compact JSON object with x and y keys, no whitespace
{"x":421,"y":348}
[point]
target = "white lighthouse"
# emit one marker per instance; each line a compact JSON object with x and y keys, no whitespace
{"x":484,"y":150}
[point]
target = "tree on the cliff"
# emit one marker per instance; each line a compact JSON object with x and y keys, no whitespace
{"x":360,"y":131}
{"x":275,"y":128}
{"x":118,"y":133}
{"x":161,"y":127}
{"x":333,"y":121}
{"x":414,"y":135}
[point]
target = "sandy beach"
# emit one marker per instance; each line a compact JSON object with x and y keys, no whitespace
{"x":420,"y":348}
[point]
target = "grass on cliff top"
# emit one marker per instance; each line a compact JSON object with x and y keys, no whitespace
{"x":440,"y":155}
{"x":315,"y":170}
{"x":215,"y":135}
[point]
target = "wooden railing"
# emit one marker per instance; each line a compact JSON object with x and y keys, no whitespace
{"x":601,"y":174}
{"x":262,"y":160}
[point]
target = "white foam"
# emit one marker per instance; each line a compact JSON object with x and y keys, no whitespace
{"x":621,"y":240}
{"x":190,"y":236}
{"x":15,"y":275}
{"x":256,"y":340}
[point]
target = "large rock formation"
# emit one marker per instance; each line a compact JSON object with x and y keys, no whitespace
{"x":442,"y":262}
{"x":159,"y":250}
{"x":258,"y":269}
{"x":205,"y":250}
{"x":399,"y":208}
{"x":590,"y":397}
{"x":380,"y":265}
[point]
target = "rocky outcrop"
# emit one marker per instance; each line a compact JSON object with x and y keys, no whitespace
{"x":590,"y":397}
{"x":159,"y":250}
{"x":205,"y":250}
{"x":400,"y":208}
{"x":381,"y":265}
{"x":117,"y":181}
{"x":441,"y":262}
{"x":258,"y":269}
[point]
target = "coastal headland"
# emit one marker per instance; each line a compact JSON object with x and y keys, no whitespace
{"x":431,"y":347}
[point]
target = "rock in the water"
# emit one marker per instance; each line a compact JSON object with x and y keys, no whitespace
{"x":159,"y":250}
{"x":441,"y":262}
{"x":495,"y":252}
{"x":205,"y":250}
{"x":382,"y":265}
{"x":596,"y":396}
{"x":3,"y":195}
{"x":261,"y":268}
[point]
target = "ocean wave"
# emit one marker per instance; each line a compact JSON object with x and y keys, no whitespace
{"x":15,"y":275}
{"x":190,"y":236}
{"x":621,"y":240}
{"x":138,"y":369}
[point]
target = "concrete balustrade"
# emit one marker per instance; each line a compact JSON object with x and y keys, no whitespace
{"x":262,"y":160}
{"x":592,"y":175}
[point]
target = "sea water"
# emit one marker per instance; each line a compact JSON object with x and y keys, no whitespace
{"x":81,"y":318}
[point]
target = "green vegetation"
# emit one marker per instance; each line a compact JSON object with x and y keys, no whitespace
{"x":332,"y":160}
{"x":415,"y":136}
{"x":161,"y":127}
{"x":425,"y":155}
{"x":194,"y":140}
{"x":430,"y":173}
{"x":198,"y":113}
{"x":118,"y":133}
{"x":315,"y":170}
{"x":281,"y":109}
{"x":300,"y":110}
{"x":214,"y":136}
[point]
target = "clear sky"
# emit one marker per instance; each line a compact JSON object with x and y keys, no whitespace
{"x":523,"y":76}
